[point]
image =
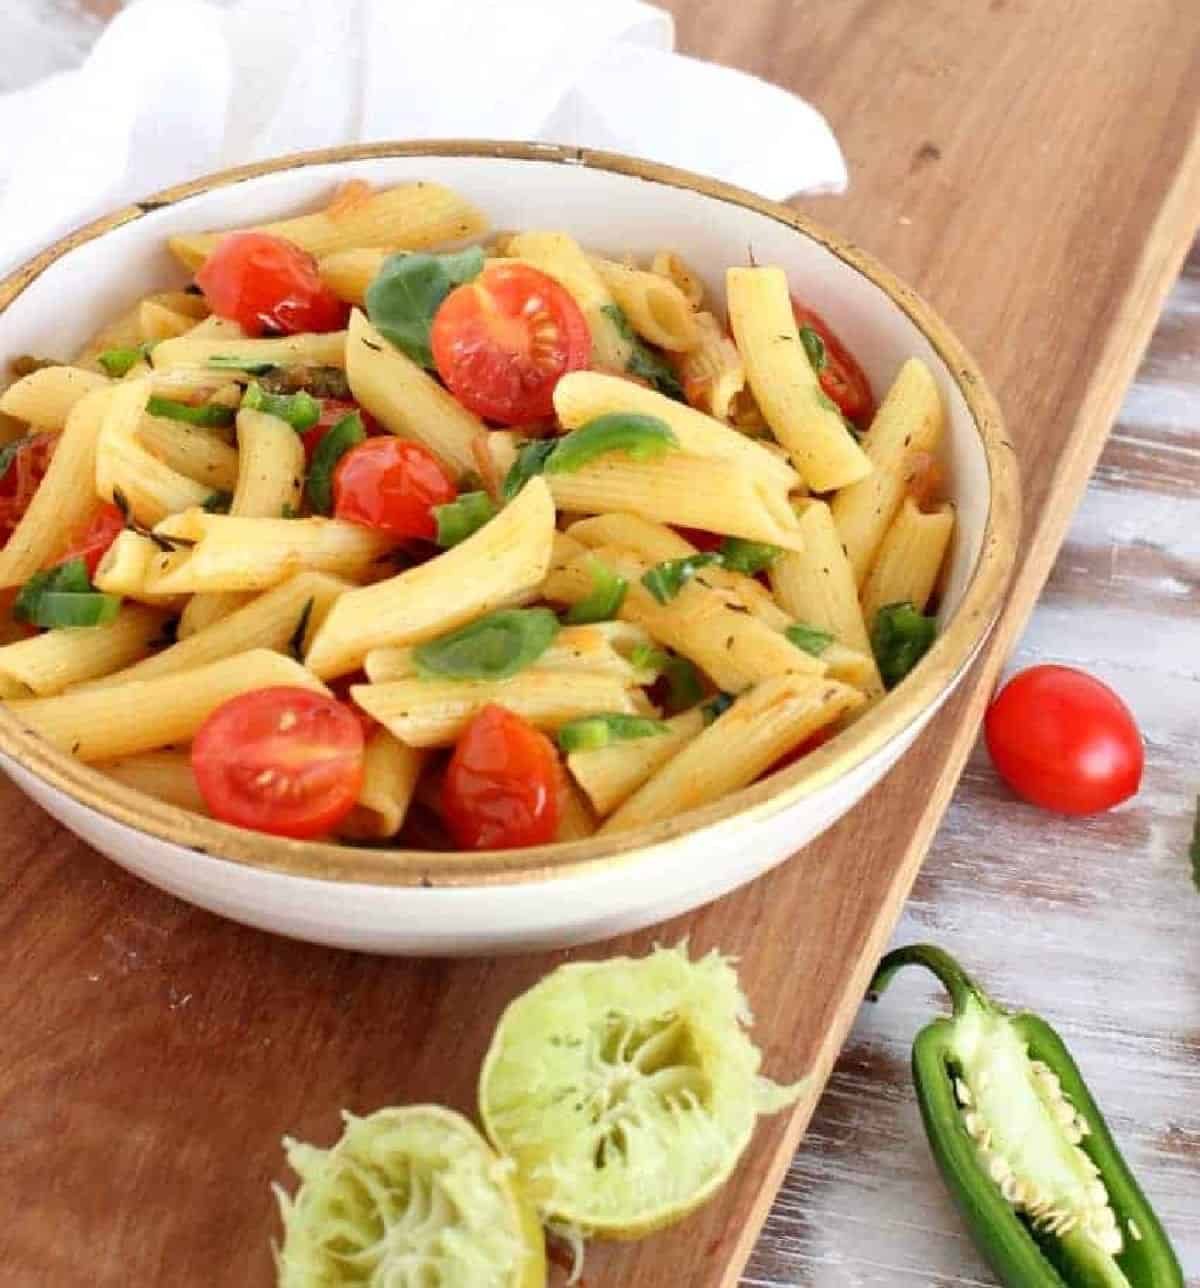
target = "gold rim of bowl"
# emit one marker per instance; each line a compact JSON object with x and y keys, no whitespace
{"x":950,"y":654}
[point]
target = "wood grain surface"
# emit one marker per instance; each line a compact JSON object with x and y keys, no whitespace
{"x":1029,"y":167}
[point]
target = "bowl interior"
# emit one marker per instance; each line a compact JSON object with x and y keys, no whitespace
{"x":613,"y":210}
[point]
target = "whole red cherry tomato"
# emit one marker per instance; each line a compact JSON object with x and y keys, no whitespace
{"x":501,"y":786}
{"x":267,"y":283}
{"x":842,"y":379}
{"x":1064,"y":741}
{"x":391,"y":484}
{"x":92,"y":541}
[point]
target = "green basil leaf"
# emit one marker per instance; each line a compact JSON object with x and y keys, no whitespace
{"x":239,"y":362}
{"x":604,"y":601}
{"x":644,"y":362}
{"x":407,"y":292}
{"x":665,"y":580}
{"x":589,"y":733}
{"x":64,"y":596}
{"x":296,"y":641}
{"x":347,"y":433}
{"x":814,"y":347}
{"x":531,"y":461}
{"x":809,"y":638}
{"x":900,"y":638}
{"x":457,"y":520}
{"x":644,"y":438}
{"x":493,"y":648}
{"x":749,"y":557}
{"x":218,"y":502}
{"x":301,"y":410}
{"x":119,"y":362}
{"x":716,"y":707}
{"x":206,"y":415}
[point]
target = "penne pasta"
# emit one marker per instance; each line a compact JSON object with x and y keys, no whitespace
{"x":197,"y":454}
{"x":671,"y":265}
{"x":348,"y":273}
{"x":432,"y":713}
{"x":428,"y":600}
{"x":407,"y":401}
{"x":712,"y":371}
{"x":391,"y":770}
{"x":55,"y":660}
{"x":164,"y":774}
{"x":124,"y":332}
{"x":412,"y":216}
{"x":908,"y":425}
{"x":910,"y":557}
{"x":125,"y":569}
{"x":774,"y":718}
{"x":271,"y":468}
{"x":610,"y":775}
{"x":784,"y":383}
{"x":44,"y":399}
{"x":576,"y":821}
{"x":159,"y":322}
{"x":203,"y":610}
{"x":96,"y":724}
{"x":232,"y":355}
{"x":655,"y":307}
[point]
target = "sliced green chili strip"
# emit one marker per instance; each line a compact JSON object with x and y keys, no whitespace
{"x":665,"y":580}
{"x":239,"y":362}
{"x":644,"y":438}
{"x":750,"y":557}
{"x":120,"y":362}
{"x":407,"y":291}
{"x":492,"y":648}
{"x":347,"y":433}
{"x":457,"y":520}
{"x":590,"y":733}
{"x":204,"y":415}
{"x":644,"y":362}
{"x":604,"y":600}
{"x":1001,"y":1097}
{"x":301,"y":410}
{"x":809,"y":638}
{"x":530,"y":462}
{"x":900,"y":638}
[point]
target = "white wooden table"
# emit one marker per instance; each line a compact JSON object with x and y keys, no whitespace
{"x":1093,"y":923}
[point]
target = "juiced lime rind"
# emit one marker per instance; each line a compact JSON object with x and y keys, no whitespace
{"x":407,"y":1198}
{"x":626,"y":1090}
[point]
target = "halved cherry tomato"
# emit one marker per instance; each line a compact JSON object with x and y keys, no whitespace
{"x":282,"y":760}
{"x":264,"y":282}
{"x":20,"y":481}
{"x":391,"y":484}
{"x":93,"y":540}
{"x":502,"y":342}
{"x":842,"y":379}
{"x":333,"y":410}
{"x":501,"y":786}
{"x":1064,"y":741}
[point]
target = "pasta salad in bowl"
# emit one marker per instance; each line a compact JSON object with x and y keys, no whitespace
{"x":443,"y":547}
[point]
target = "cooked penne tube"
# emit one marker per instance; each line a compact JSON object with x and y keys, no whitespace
{"x":575,"y":818}
{"x":655,"y":307}
{"x":406,"y":400}
{"x":712,"y":371}
{"x":560,"y":256}
{"x":191,"y":305}
{"x":432,"y":713}
{"x":784,"y":383}
{"x":495,"y":566}
{"x":413,"y":216}
{"x":325,"y":349}
{"x":44,"y":398}
{"x":203,"y":610}
{"x":671,"y":265}
{"x":102,"y":724}
{"x":908,"y":424}
{"x":125,"y":569}
{"x":910,"y":557}
{"x":581,"y":396}
{"x":602,"y":648}
{"x":126,"y":470}
{"x":158,"y":322}
{"x":610,"y":775}
{"x":348,"y":273}
{"x":215,"y":328}
{"x":124,"y":332}
{"x":390,"y":773}
{"x":271,"y":468}
{"x":65,"y":498}
{"x":280,"y":619}
{"x":775,"y":717}
{"x":696,"y":491}
{"x":54,"y":660}
{"x":233,"y":553}
{"x":164,"y":774}
{"x":853,"y":668}
{"x":197,"y":454}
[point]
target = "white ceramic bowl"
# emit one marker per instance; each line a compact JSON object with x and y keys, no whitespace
{"x":415,"y":902}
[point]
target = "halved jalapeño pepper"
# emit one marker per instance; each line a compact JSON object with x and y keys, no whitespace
{"x":1023,"y":1147}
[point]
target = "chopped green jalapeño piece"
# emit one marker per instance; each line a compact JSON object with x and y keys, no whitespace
{"x":644,"y":438}
{"x":203,"y":415}
{"x":493,"y":648}
{"x":604,"y":601}
{"x":809,"y":638}
{"x":590,"y":733}
{"x":300,"y":410}
{"x":740,"y":555}
{"x":457,"y":520}
{"x":900,"y":638}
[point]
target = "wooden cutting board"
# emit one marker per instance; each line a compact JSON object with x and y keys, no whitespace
{"x":1031,"y":165}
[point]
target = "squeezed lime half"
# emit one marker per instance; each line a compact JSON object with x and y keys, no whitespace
{"x":626,"y":1090}
{"x":407,"y":1198}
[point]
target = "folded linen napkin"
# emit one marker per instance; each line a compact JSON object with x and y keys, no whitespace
{"x":176,"y":88}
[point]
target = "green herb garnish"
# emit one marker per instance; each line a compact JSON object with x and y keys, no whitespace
{"x":236,"y":362}
{"x":590,"y":733}
{"x":407,"y":291}
{"x":457,"y":520}
{"x":204,"y":416}
{"x":644,"y":362}
{"x":301,"y":410}
{"x":814,"y":347}
{"x":120,"y":362}
{"x":64,"y":596}
{"x":749,"y":557}
{"x":531,"y":461}
{"x":900,"y":638}
{"x":347,"y":433}
{"x":493,"y":648}
{"x":665,"y":580}
{"x":604,"y":600}
{"x":809,"y":638}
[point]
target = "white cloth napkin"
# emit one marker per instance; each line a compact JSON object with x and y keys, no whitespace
{"x":176,"y":88}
